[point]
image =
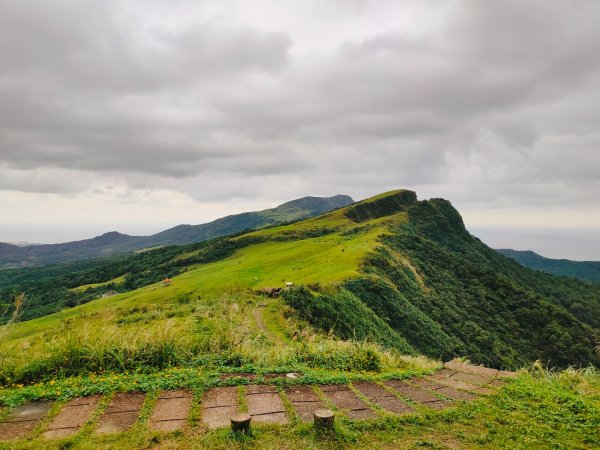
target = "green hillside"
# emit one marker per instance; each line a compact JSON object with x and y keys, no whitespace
{"x":391,"y":270}
{"x":382,"y":290}
{"x":584,"y":270}
{"x":114,"y":243}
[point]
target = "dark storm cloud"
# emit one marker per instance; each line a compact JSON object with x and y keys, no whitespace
{"x":497,"y":105}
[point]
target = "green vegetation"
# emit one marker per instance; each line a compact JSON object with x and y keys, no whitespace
{"x":375,"y":285}
{"x":549,"y":410}
{"x":402,"y":274}
{"x":112,"y":243}
{"x":584,"y":270}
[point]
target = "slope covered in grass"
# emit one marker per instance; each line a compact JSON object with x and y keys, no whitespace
{"x":401,"y":273}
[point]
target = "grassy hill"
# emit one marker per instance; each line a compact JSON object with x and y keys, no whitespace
{"x":584,"y":270}
{"x":402,"y":273}
{"x":112,"y":243}
{"x":383,"y":289}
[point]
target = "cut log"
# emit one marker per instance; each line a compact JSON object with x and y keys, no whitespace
{"x":324,"y":419}
{"x":240,"y":423}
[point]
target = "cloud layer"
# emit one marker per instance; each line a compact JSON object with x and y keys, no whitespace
{"x":493,"y":105}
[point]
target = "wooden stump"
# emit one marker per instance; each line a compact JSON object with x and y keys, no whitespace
{"x":240,"y":423}
{"x":324,"y":419}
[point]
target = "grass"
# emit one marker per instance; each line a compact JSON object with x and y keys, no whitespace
{"x":210,"y":321}
{"x":85,"y":287}
{"x":302,"y":259}
{"x":539,"y":410}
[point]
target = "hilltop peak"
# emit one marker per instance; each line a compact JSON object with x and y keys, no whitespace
{"x":381,"y":205}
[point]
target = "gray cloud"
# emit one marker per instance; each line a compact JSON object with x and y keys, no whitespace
{"x":494,"y":105}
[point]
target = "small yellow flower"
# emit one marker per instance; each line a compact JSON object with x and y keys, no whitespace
{"x":52,"y":382}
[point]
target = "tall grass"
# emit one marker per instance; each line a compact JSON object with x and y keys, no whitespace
{"x":218,"y":333}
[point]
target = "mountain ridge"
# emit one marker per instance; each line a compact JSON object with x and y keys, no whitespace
{"x":583,"y":270}
{"x":114,"y":242}
{"x":394,"y":270}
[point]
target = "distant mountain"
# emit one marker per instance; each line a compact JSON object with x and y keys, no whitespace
{"x":113,"y":242}
{"x":584,"y":270}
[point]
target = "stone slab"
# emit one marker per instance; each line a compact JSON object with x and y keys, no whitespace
{"x":425,"y":383}
{"x":121,"y":413}
{"x":175,"y":408}
{"x":305,"y":401}
{"x":302,"y":393}
{"x":412,"y":392}
{"x":471,"y":378}
{"x":71,"y":417}
{"x":22,"y":420}
{"x":456,"y":384}
{"x":456,"y":394}
{"x":89,"y":400}
{"x":125,"y":402}
{"x":468,"y":368}
{"x":438,"y":405}
{"x":168,"y":425}
{"x":483,"y":390}
{"x":333,"y":387}
{"x":443,"y":373}
{"x":220,"y":396}
{"x":393,"y":404}
{"x":17,"y":430}
{"x":260,"y":389}
{"x":29,"y":412}
{"x":175,"y":394}
{"x":383,"y":398}
{"x":372,"y":390}
{"x":74,"y":414}
{"x":117,"y":422}
{"x":218,"y":416}
{"x":347,"y":400}
{"x":265,"y":406}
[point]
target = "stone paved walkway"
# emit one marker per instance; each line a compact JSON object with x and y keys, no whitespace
{"x":362,"y":400}
{"x":121,"y":414}
{"x":171,"y":410}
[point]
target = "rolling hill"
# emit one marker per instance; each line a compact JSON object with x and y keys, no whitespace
{"x":584,"y":270}
{"x":112,"y":243}
{"x":393,"y":270}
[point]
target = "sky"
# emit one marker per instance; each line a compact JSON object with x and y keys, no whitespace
{"x":139,"y":115}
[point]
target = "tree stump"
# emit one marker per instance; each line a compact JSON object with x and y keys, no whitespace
{"x":240,"y":423}
{"x":324,"y":419}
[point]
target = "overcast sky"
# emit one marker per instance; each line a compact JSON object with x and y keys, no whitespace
{"x":139,"y":115}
